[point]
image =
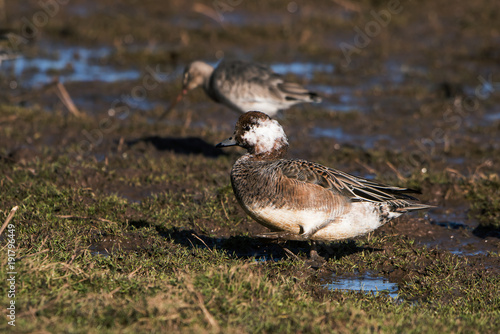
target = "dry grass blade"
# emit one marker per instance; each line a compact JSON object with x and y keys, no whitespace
{"x":289,"y":253}
{"x":189,"y":119}
{"x":81,"y":217}
{"x":203,"y":242}
{"x":395,"y":170}
{"x":368,"y":168}
{"x":201,"y":303}
{"x":134,"y":272}
{"x":34,"y":254}
{"x":224,"y":209}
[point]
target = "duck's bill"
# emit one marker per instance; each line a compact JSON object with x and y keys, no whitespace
{"x":231,"y":141}
{"x":174,"y":103}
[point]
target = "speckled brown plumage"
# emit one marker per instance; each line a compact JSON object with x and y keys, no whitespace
{"x":302,"y":197}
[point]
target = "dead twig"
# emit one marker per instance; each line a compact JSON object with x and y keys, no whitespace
{"x":63,"y":94}
{"x":9,"y":218}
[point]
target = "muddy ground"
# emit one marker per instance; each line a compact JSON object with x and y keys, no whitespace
{"x":411,"y":97}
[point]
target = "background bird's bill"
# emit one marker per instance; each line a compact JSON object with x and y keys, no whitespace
{"x":173,"y":104}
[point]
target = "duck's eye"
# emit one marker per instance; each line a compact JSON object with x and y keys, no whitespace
{"x":246,"y":128}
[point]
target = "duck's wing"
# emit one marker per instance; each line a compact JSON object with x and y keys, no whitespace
{"x":353,"y":187}
{"x":236,"y":72}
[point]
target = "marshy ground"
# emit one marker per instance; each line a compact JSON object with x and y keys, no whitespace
{"x":129,"y":224}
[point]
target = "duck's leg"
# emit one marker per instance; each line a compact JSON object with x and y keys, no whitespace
{"x":313,"y":253}
{"x":307,"y":234}
{"x":287,"y":236}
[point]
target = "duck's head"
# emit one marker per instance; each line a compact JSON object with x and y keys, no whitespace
{"x":260,"y":135}
{"x":195,"y":74}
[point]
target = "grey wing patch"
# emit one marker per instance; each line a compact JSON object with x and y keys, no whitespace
{"x":238,"y":80}
{"x":244,"y":86}
{"x":295,"y":92}
{"x":239,"y":71}
{"x":253,"y":71}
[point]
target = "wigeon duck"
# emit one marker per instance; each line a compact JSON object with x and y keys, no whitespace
{"x":304,"y":200}
{"x":244,"y":86}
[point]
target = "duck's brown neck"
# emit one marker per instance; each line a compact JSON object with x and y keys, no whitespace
{"x":275,"y":154}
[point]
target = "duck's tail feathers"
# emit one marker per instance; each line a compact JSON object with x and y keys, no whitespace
{"x":414,"y":207}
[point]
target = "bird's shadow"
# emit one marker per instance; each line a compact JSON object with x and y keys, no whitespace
{"x":188,"y":145}
{"x":247,"y":247}
{"x":486,"y":232}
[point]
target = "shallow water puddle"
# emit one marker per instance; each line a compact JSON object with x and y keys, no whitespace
{"x":339,"y":98}
{"x":492,"y":117}
{"x":334,"y":133}
{"x":241,"y":18}
{"x":69,"y":64}
{"x":323,"y":89}
{"x":305,"y":70}
{"x":339,"y":135}
{"x":129,"y":242}
{"x":451,"y":230}
{"x":366,"y":283}
{"x":398,"y":73}
{"x":264,"y":258}
{"x":97,"y":250}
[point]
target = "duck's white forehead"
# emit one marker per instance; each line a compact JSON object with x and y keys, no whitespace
{"x":265,"y":134}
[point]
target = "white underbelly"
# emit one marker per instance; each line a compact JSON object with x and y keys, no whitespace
{"x":363,"y":217}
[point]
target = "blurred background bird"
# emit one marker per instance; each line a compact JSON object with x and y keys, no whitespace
{"x":244,"y":86}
